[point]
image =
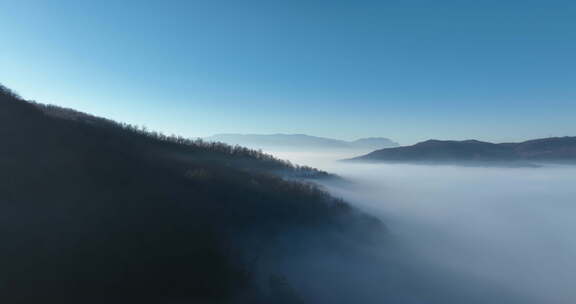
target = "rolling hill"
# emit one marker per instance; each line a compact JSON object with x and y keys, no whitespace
{"x":545,"y":150}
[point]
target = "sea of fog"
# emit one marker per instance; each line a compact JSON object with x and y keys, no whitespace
{"x":455,"y":235}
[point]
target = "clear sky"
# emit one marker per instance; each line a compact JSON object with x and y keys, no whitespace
{"x":409,"y":70}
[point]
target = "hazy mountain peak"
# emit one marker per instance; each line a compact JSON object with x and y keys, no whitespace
{"x":281,"y":141}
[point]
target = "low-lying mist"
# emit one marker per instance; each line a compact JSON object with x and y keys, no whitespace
{"x":455,"y":235}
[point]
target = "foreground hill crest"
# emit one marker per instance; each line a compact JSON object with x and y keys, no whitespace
{"x":96,"y":211}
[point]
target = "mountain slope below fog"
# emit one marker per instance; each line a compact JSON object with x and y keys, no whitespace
{"x":95,"y":211}
{"x":554,"y":149}
{"x":300,"y":142}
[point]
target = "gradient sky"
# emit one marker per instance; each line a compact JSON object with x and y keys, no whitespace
{"x":409,"y":70}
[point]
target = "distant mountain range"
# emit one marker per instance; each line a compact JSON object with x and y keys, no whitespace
{"x":554,"y":149}
{"x":300,"y":142}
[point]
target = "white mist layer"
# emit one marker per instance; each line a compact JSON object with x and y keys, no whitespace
{"x":479,"y":235}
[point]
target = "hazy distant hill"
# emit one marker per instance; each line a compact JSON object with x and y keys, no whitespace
{"x":95,"y":211}
{"x":300,"y":142}
{"x":555,"y":149}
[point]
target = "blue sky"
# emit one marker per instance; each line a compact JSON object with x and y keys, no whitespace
{"x":408,"y":70}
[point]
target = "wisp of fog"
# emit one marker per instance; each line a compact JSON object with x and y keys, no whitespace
{"x":455,"y":235}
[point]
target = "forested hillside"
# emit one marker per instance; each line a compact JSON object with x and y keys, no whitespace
{"x":94,"y":211}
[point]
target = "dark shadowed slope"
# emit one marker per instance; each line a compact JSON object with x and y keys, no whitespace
{"x":301,"y":142}
{"x":557,"y":149}
{"x":97,"y":212}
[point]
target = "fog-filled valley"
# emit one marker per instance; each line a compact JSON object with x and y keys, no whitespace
{"x":454,"y":235}
{"x":287,"y":152}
